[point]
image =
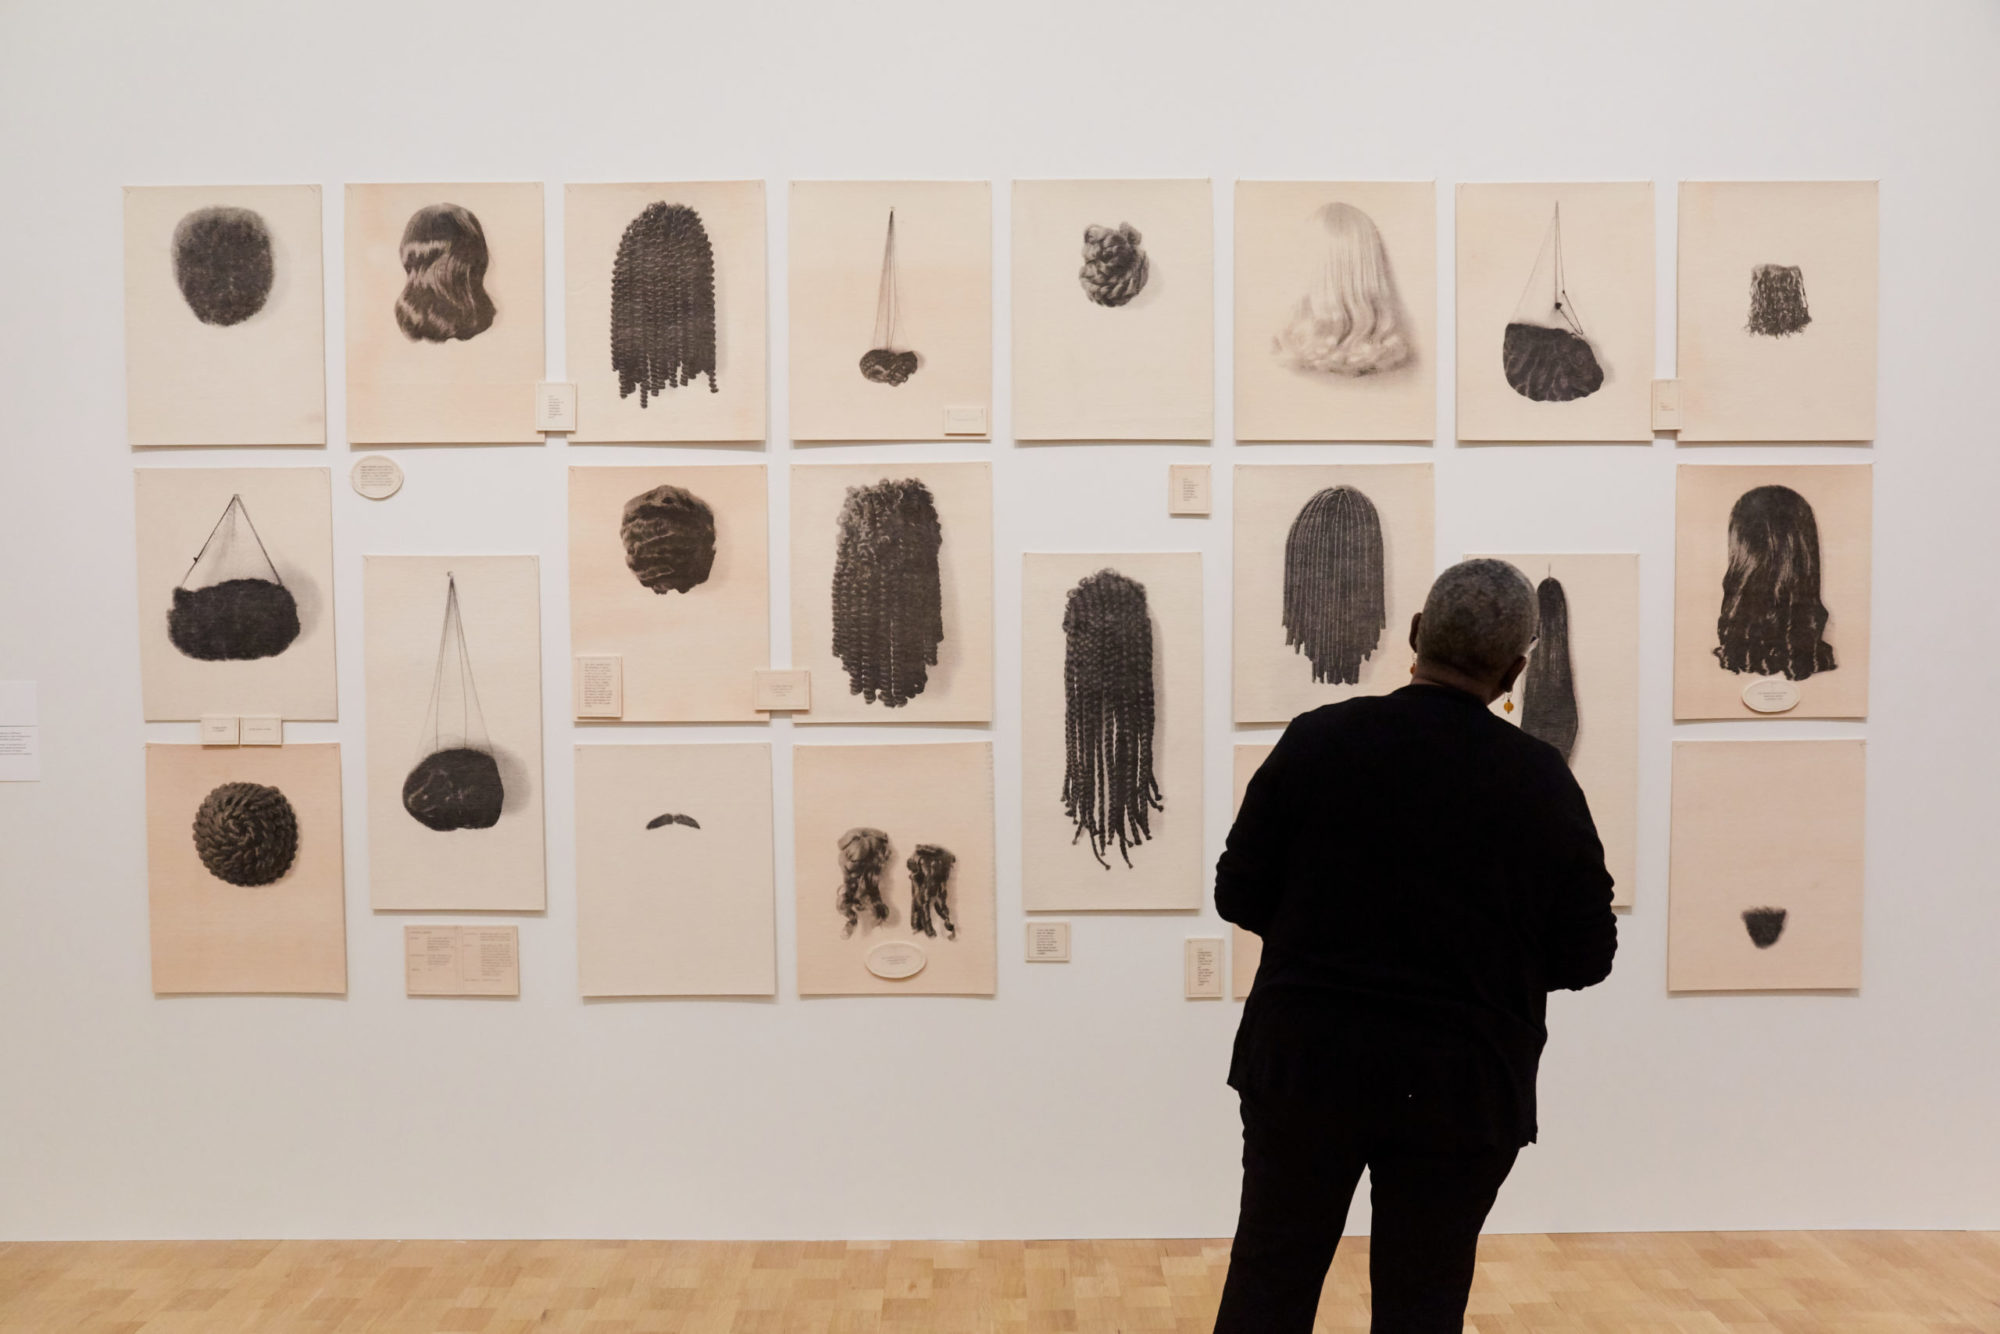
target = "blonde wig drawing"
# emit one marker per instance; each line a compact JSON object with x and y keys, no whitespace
{"x":1350,"y":322}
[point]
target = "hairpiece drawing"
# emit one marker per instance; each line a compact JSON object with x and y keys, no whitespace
{"x":1765,"y":925}
{"x":456,"y":785}
{"x":664,"y":821}
{"x":1546,"y":355}
{"x":1778,"y":300}
{"x":1772,"y":620}
{"x":1350,"y":320}
{"x":864,"y":853}
{"x":930,"y":876}
{"x":669,"y":537}
{"x":222,"y":264}
{"x":242,"y":609}
{"x":663,"y":303}
{"x":885,"y":363}
{"x":246,"y":833}
{"x":444,"y":296}
{"x":888,"y":612}
{"x":1115,"y":267}
{"x":1335,"y":596}
{"x":1549,"y":710}
{"x":1109,"y":790}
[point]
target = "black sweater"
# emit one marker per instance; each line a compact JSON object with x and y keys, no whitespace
{"x":1423,"y":875}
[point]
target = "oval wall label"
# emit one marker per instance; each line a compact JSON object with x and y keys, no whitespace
{"x":896,"y":959}
{"x":1774,"y":695}
{"x":377,"y":477}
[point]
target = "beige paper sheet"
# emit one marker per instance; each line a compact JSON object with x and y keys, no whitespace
{"x":288,"y":936}
{"x":1141,"y":371}
{"x":959,"y":688}
{"x":943,"y":305}
{"x":940,"y":795}
{"x":594,"y":221}
{"x":1059,"y":871}
{"x":412,"y":866}
{"x":1602,"y":594}
{"x":1766,"y":824}
{"x":1815,"y":384}
{"x":1246,"y":950}
{"x":259,"y":381}
{"x":1286,"y":257}
{"x":471,"y":391}
{"x":1842,"y":501}
{"x":1273,"y":682}
{"x":1607,"y":253}
{"x":682,"y":909}
{"x":688,"y":657}
{"x":289,"y":510}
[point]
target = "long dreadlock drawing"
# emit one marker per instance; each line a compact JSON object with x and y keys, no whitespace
{"x":663,"y":303}
{"x":456,"y":785}
{"x":930,"y":877}
{"x":864,"y":853}
{"x":242,"y":610}
{"x":1772,"y":620}
{"x":1549,"y":710}
{"x":1109,"y":790}
{"x":1335,"y":596}
{"x":888,"y":601}
{"x":1545,"y":353}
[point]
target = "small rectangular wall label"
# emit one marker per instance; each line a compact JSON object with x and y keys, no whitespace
{"x":1048,"y":942}
{"x":1188,"y":488}
{"x":20,"y":733}
{"x":261,"y":730}
{"x":219,"y":729}
{"x":785,"y":690}
{"x":1666,"y":405}
{"x":555,"y":406}
{"x":965,"y":421}
{"x":600,"y":686}
{"x":1204,"y":968}
{"x":461,"y":961}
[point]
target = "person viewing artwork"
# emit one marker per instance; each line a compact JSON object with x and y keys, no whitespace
{"x":1422,"y":874}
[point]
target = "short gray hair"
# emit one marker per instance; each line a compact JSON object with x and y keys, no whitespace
{"x":1479,"y":617}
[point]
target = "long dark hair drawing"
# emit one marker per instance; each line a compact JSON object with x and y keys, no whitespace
{"x":1335,"y":594}
{"x":456,"y":785}
{"x":1350,"y":320}
{"x":864,"y":853}
{"x":1545,"y":354}
{"x":930,"y":879}
{"x":663,"y":303}
{"x":1772,"y":620}
{"x":222,"y":264}
{"x":1109,"y":790}
{"x":444,"y":293}
{"x":240,"y":609}
{"x":1549,"y":709}
{"x":884,"y":362}
{"x":888,"y":597}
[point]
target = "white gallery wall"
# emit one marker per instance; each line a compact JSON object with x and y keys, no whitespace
{"x":1086,"y":1099}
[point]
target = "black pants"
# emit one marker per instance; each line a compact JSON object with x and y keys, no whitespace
{"x":1300,"y":1169}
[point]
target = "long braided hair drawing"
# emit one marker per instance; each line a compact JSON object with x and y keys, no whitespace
{"x":1549,"y":709}
{"x":663,"y":303}
{"x":1109,"y":790}
{"x":1335,"y":600}
{"x":1772,"y":620}
{"x":888,"y":600}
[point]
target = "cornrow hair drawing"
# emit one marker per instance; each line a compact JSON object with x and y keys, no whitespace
{"x":864,"y":854}
{"x":1546,"y":355}
{"x":1765,"y":925}
{"x":240,"y":610}
{"x":456,"y":785}
{"x":1335,"y":596}
{"x":223,"y":264}
{"x":1772,"y":621}
{"x":246,"y":834}
{"x":1109,"y":790}
{"x":1778,"y":300}
{"x":669,"y":820}
{"x":930,"y":877}
{"x":1549,"y":709}
{"x":663,"y":303}
{"x":1115,"y":266}
{"x":444,"y":293}
{"x":888,"y":598}
{"x":669,"y":537}
{"x":886,"y":363}
{"x":1350,"y":320}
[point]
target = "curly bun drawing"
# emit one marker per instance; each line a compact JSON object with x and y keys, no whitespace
{"x":1115,"y":267}
{"x":246,"y":833}
{"x":444,"y":296}
{"x":222,"y":264}
{"x":1350,"y":321}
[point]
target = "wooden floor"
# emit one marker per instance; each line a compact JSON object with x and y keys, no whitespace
{"x":1823,"y":1282}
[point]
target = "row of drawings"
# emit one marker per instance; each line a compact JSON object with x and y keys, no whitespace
{"x":890,"y":312}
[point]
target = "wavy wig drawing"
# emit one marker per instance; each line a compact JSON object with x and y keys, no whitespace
{"x":1350,"y":320}
{"x":444,"y":290}
{"x":1773,"y":622}
{"x":1109,"y":790}
{"x":1335,"y":595}
{"x":888,"y":596}
{"x":663,"y":303}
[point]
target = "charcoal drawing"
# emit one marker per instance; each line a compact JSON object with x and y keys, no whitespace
{"x":1335,"y":594}
{"x":888,"y":598}
{"x":1545,"y":353}
{"x":1772,"y":621}
{"x":456,"y":785}
{"x":246,"y":833}
{"x":669,"y":537}
{"x":1109,"y":789}
{"x":930,"y":877}
{"x":241,"y":610}
{"x":663,"y":303}
{"x":1115,"y":265}
{"x":864,"y":853}
{"x":223,"y":264}
{"x":444,"y":290}
{"x":1549,"y":709}
{"x":1350,"y":320}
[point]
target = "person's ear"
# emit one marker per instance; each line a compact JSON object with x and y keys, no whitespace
{"x":1512,"y":674}
{"x":1415,"y":621}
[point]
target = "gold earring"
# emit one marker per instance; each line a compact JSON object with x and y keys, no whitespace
{"x":1509,"y":705}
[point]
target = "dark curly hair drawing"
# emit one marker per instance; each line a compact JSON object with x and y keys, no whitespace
{"x":669,"y":537}
{"x":1115,"y":266}
{"x":864,"y":854}
{"x":1109,"y":790}
{"x":930,"y":876}
{"x":663,"y":303}
{"x":444,"y":296}
{"x":246,"y":834}
{"x":888,"y":598}
{"x":1549,"y":709}
{"x":1778,"y":300}
{"x":1335,"y":596}
{"x":222,"y":264}
{"x":1772,"y":620}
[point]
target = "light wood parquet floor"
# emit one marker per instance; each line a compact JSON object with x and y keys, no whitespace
{"x":1635,"y":1283}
